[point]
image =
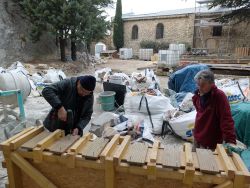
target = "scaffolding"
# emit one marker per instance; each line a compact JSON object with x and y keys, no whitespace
{"x":205,"y":22}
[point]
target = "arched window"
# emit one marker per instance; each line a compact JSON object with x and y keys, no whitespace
{"x":159,"y":31}
{"x":135,"y":32}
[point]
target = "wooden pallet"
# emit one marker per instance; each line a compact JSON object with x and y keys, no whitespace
{"x":115,"y":163}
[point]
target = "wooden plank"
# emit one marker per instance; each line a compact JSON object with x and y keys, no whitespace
{"x":196,"y":163}
{"x":80,"y":143}
{"x":16,"y":143}
{"x":160,"y":154}
{"x":172,"y":156}
{"x":31,"y":144}
{"x":240,"y":164}
{"x":95,"y":148}
{"x":219,"y":163}
{"x":46,"y":142}
{"x":122,"y":149}
{"x":154,"y":152}
{"x":226,"y":184}
{"x":227,"y":164}
{"x":110,"y":147}
{"x":6,"y":142}
{"x":61,"y":145}
{"x":137,"y":153}
{"x":207,"y":161}
{"x":188,"y":154}
{"x":33,"y":173}
{"x":239,"y":180}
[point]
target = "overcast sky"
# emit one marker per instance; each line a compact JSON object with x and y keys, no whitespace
{"x":150,"y":6}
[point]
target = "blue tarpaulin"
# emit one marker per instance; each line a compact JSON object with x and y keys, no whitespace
{"x":183,"y":79}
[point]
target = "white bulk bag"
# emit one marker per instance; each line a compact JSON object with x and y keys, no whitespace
{"x":184,"y":124}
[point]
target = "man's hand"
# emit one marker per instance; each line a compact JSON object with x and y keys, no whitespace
{"x":62,"y":114}
{"x":75,"y":132}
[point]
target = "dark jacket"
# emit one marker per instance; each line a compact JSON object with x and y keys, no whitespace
{"x":64,"y":93}
{"x":214,"y":123}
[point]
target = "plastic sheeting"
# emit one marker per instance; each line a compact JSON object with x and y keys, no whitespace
{"x":241,"y":116}
{"x":183,"y":80}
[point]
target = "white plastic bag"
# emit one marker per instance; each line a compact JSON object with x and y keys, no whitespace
{"x":156,"y":104}
{"x":187,"y":103}
{"x":184,"y":124}
{"x":54,"y":75}
{"x":18,"y":67}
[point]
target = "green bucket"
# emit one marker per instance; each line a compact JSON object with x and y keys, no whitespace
{"x":107,"y":100}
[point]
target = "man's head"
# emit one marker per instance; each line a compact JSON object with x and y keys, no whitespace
{"x":204,"y":80}
{"x":85,"y":85}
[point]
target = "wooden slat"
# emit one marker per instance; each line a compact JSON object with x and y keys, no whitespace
{"x":207,"y":161}
{"x":196,"y":163}
{"x":160,"y":154}
{"x":31,"y":144}
{"x":227,"y":164}
{"x":188,"y":154}
{"x":14,"y":144}
{"x":95,"y":148}
{"x":110,"y":147}
{"x":240,"y":164}
{"x":137,"y":153}
{"x":122,"y":149}
{"x":80,"y":143}
{"x":154,"y":151}
{"x":172,"y":156}
{"x":219,"y":163}
{"x":61,"y":145}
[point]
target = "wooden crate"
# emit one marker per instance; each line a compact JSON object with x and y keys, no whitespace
{"x":34,"y":158}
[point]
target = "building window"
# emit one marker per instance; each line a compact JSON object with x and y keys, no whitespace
{"x":217,"y":31}
{"x":135,"y":32}
{"x":159,"y":31}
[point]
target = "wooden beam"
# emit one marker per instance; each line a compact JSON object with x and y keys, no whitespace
{"x":122,"y":149}
{"x":16,"y":143}
{"x":5,"y":144}
{"x":240,"y":164}
{"x":229,"y":168}
{"x":80,"y":143}
{"x":226,"y":184}
{"x":110,"y":147}
{"x":154,"y":152}
{"x":109,"y":173}
{"x":14,"y":174}
{"x":33,"y":173}
{"x":188,"y":154}
{"x":239,"y":180}
{"x":46,"y":142}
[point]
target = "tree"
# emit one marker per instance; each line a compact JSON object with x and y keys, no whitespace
{"x":65,"y":19}
{"x":118,"y":26}
{"x":240,"y":10}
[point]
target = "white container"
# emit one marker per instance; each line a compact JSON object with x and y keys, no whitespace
{"x":178,"y":47}
{"x":169,"y":57}
{"x":145,"y":54}
{"x":10,"y":81}
{"x":126,"y":53}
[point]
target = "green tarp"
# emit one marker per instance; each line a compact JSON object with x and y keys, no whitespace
{"x":241,"y":116}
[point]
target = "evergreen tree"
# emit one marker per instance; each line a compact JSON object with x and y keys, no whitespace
{"x":118,"y":26}
{"x":65,"y":19}
{"x":240,"y":10}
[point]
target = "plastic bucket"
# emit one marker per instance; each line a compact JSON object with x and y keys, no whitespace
{"x":107,"y":100}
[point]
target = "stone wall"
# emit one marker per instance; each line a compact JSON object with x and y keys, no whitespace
{"x":14,"y":37}
{"x":176,"y":29}
{"x":237,"y":35}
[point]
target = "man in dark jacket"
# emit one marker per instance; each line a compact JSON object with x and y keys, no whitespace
{"x":214,"y":123}
{"x":75,"y":94}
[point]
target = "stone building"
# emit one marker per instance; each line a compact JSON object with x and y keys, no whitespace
{"x":190,"y":26}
